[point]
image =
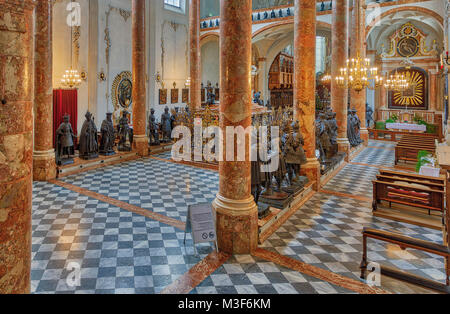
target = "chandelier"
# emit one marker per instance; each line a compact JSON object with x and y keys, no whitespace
{"x":358,"y":75}
{"x":397,"y":83}
{"x":71,"y":79}
{"x":326,"y":79}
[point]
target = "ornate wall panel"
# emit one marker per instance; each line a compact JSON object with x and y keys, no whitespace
{"x":416,"y":97}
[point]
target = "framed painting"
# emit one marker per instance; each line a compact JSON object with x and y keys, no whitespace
{"x":174,"y":94}
{"x":163,"y":96}
{"x":185,"y":96}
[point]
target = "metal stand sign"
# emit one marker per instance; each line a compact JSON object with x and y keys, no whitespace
{"x":200,"y":223}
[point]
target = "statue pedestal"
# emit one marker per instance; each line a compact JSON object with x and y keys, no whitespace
{"x":276,"y":202}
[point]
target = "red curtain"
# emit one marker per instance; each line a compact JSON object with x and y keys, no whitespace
{"x":65,"y":101}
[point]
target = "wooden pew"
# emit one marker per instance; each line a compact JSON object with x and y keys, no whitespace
{"x":406,"y":242}
{"x":409,"y":189}
{"x":410,"y":145}
{"x":395,"y":136}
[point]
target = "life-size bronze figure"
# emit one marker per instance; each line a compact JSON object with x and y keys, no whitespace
{"x":108,"y":136}
{"x":166,"y":125}
{"x":125,"y":133}
{"x":88,"y":139}
{"x":153,"y":129}
{"x":369,"y":115}
{"x":295,"y":155}
{"x":64,"y":143}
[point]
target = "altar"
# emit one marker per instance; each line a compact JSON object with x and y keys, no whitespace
{"x":409,"y":127}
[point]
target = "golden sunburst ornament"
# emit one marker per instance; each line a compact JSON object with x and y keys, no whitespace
{"x":414,"y":96}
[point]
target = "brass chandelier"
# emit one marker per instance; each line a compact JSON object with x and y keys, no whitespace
{"x":71,"y":79}
{"x":358,"y":75}
{"x":397,"y":83}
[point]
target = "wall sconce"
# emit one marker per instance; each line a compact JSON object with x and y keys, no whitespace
{"x":102,"y":76}
{"x":188,"y":82}
{"x":83,"y":75}
{"x":158,"y":77}
{"x":174,"y":85}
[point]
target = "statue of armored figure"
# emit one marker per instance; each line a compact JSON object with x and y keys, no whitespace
{"x":153,"y":129}
{"x":108,"y":136}
{"x":125,"y":133}
{"x":64,"y":143}
{"x":166,"y":125}
{"x":88,"y":139}
{"x":369,"y":115}
{"x":323,"y":133}
{"x":295,"y":157}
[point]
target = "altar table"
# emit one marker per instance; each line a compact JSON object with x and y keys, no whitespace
{"x":407,"y":127}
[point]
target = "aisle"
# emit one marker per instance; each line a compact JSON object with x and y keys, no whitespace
{"x":326,"y":231}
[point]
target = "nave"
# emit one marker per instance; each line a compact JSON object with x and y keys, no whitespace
{"x":126,"y":228}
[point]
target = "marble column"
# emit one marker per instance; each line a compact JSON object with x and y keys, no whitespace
{"x":383,"y":96}
{"x":433,"y":91}
{"x":16,"y":144}
{"x":236,"y":211}
{"x":358,"y":99}
{"x":305,"y":82}
{"x":195,"y":52}
{"x":44,"y":166}
{"x":139,"y":77}
{"x":339,"y":96}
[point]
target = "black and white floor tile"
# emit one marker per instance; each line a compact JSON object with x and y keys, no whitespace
{"x":376,"y":157}
{"x":245,"y":274}
{"x":162,"y":187}
{"x":113,"y":251}
{"x":326,"y":232}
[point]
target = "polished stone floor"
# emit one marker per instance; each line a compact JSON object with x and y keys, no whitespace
{"x":122,"y":226}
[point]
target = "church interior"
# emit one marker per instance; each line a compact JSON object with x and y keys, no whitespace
{"x":219,"y":147}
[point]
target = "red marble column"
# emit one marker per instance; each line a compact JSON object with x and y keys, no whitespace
{"x":339,"y":96}
{"x":139,"y":77}
{"x":358,"y":99}
{"x":433,"y":91}
{"x":44,"y":166}
{"x":195,"y":52}
{"x":305,"y":82}
{"x":16,"y":144}
{"x":236,"y":211}
{"x":383,"y":97}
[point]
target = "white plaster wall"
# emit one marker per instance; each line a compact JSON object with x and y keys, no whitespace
{"x":120,"y":58}
{"x":62,"y":51}
{"x":168,"y":38}
{"x":210,"y":62}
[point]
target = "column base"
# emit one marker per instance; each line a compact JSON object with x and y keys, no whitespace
{"x":44,"y":165}
{"x":312,"y":170}
{"x":140,"y":145}
{"x":236,"y":224}
{"x":364,"y":132}
{"x":344,"y":147}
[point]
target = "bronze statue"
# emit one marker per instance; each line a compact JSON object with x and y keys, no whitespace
{"x":166,"y":125}
{"x":64,"y":142}
{"x":354,"y":128}
{"x":88,"y":146}
{"x":369,"y":115}
{"x":125,"y":133}
{"x":153,"y":129}
{"x":294,"y":154}
{"x":108,"y":136}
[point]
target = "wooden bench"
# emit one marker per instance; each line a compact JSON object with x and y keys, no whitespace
{"x":409,"y":147}
{"x":406,"y":242}
{"x":409,"y":189}
{"x":395,"y":136}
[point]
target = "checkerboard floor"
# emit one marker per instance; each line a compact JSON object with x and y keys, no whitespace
{"x":114,"y":250}
{"x":245,"y":274}
{"x":162,"y":187}
{"x":376,"y":156}
{"x":354,"y":180}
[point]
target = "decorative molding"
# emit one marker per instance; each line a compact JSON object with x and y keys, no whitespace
{"x":175,"y":27}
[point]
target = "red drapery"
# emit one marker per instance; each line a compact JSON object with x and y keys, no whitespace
{"x":65,"y":101}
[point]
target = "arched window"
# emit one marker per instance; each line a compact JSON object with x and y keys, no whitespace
{"x":178,"y":6}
